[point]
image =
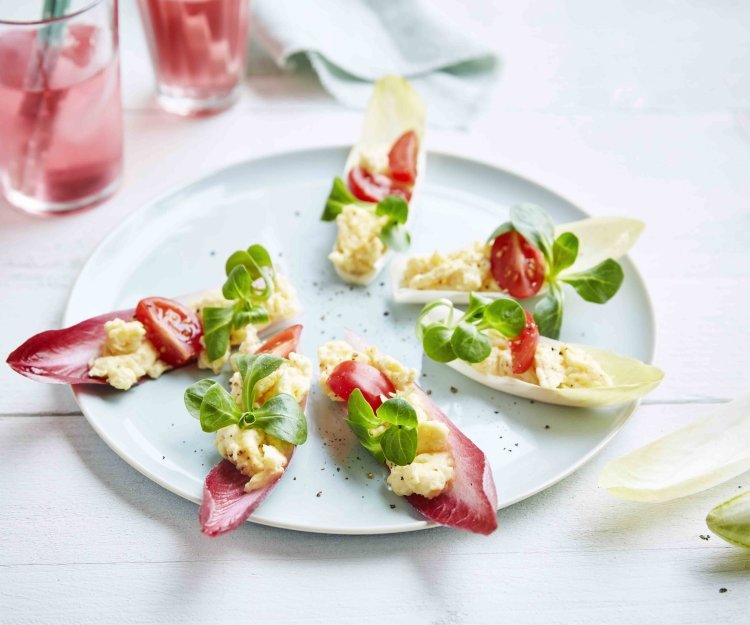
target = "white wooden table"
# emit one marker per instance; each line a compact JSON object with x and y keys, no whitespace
{"x":634,"y":108}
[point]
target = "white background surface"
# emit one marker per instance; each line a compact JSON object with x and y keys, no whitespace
{"x":636,"y":108}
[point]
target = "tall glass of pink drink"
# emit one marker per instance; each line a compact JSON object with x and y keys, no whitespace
{"x":198,"y":48}
{"x":60,"y":111}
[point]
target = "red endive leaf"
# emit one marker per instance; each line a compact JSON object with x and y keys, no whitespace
{"x":470,"y":503}
{"x":63,"y":356}
{"x":226,"y":505}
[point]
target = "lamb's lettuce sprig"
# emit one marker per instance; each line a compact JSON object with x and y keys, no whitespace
{"x":388,"y":433}
{"x":394,"y":233}
{"x":279,"y":416}
{"x":464,"y":338}
{"x":250,"y":282}
{"x":598,"y":284}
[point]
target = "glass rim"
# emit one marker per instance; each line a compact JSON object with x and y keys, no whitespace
{"x":53,"y":20}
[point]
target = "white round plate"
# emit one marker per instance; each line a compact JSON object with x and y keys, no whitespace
{"x":178,"y":243}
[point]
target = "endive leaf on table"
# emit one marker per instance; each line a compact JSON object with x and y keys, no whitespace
{"x":709,"y":451}
{"x":731,"y":520}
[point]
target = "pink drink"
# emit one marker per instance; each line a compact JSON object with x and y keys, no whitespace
{"x":60,"y":118}
{"x":198,"y":48}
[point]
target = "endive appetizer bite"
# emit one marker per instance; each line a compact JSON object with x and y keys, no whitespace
{"x":257,"y":426}
{"x":497,"y":343}
{"x":124,"y":347}
{"x":522,"y":258}
{"x":370,"y":204}
{"x":439,"y":471}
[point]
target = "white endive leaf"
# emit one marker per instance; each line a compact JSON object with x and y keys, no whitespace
{"x":599,"y":238}
{"x":731,"y":520}
{"x":631,"y":378}
{"x":709,"y":451}
{"x":395,"y":108}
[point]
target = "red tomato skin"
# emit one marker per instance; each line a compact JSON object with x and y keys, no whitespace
{"x":282,"y":343}
{"x":374,"y":187}
{"x":352,"y":374}
{"x":516,"y":265}
{"x":523,"y":347}
{"x":172,"y":327}
{"x":402,"y":159}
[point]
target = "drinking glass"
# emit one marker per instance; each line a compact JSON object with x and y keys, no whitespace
{"x":60,"y":111}
{"x":198,"y":50}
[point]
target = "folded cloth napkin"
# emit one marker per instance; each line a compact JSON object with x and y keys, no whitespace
{"x":351,"y":43}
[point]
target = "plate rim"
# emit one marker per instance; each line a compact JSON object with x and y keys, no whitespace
{"x":416,"y":524}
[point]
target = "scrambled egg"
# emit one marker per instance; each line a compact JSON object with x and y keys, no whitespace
{"x":556,"y":365}
{"x":282,"y":304}
{"x":258,"y":455}
{"x":432,"y":469}
{"x":375,"y":160}
{"x":464,"y":270}
{"x":358,"y":246}
{"x":333,"y":353}
{"x":127,"y":355}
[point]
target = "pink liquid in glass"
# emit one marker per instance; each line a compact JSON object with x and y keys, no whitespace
{"x":60,"y":120}
{"x":198,"y":49}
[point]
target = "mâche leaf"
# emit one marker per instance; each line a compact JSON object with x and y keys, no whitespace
{"x":397,"y":411}
{"x":339,"y":197}
{"x":564,"y":251}
{"x":506,"y":316}
{"x":535,"y":225}
{"x":282,"y":417}
{"x":548,"y":313}
{"x":399,"y":445}
{"x":393,"y":207}
{"x":217,"y":326}
{"x":469,"y":343}
{"x":599,"y":284}
{"x":218,"y":409}
{"x":360,"y":410}
{"x":262,"y":366}
{"x":436,"y":341}
{"x":238,"y":284}
{"x":194,"y":395}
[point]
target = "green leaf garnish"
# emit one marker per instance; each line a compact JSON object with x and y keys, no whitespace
{"x":399,"y":445}
{"x":217,"y":326}
{"x":397,"y":442}
{"x":395,"y":236}
{"x":194,"y":395}
{"x":279,"y":416}
{"x":218,"y":409}
{"x":444,"y":341}
{"x":282,"y":417}
{"x":564,"y":251}
{"x":239,"y":284}
{"x":598,"y":284}
{"x":549,"y":311}
{"x":339,"y":197}
{"x":395,"y":208}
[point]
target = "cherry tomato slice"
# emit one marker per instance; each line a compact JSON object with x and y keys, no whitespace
{"x":374,"y":187}
{"x":523,"y":347}
{"x":402,"y":159}
{"x":174,"y":329}
{"x":352,"y":374}
{"x":282,"y":343}
{"x":516,"y":265}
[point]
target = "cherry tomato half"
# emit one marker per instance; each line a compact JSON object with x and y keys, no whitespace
{"x":282,"y":343}
{"x":352,"y":374}
{"x":516,"y":265}
{"x":523,"y":347}
{"x":402,"y":159}
{"x":374,"y":187}
{"x":174,"y":329}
